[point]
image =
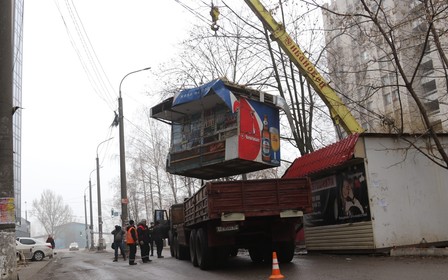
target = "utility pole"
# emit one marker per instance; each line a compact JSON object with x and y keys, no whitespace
{"x":123,"y":186}
{"x":100,"y":219}
{"x":85,"y":220}
{"x":98,"y":185}
{"x":124,"y":191}
{"x":92,"y":242}
{"x":8,"y":268}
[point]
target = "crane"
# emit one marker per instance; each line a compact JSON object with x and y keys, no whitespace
{"x":339,"y":112}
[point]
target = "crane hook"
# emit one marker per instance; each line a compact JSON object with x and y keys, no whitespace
{"x":215,"y":15}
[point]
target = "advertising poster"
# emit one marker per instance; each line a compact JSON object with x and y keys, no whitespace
{"x":259,"y":138}
{"x":340,"y":198}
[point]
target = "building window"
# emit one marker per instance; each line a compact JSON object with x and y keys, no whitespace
{"x":387,"y":99}
{"x":427,"y":68}
{"x":385,"y":80}
{"x":365,"y":55}
{"x":384,"y":64}
{"x":395,"y":95}
{"x":437,"y":126}
{"x":366,"y":126}
{"x":388,"y":79}
{"x":369,"y":106}
{"x":418,"y":26}
{"x":432,"y":106}
{"x":429,"y":87}
{"x":427,"y":48}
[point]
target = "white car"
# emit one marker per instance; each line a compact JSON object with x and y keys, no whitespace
{"x":33,"y":249}
{"x":73,"y":246}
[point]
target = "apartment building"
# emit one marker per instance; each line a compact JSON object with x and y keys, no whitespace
{"x":387,"y":76}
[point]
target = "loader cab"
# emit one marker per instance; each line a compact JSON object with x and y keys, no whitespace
{"x":162,"y":217}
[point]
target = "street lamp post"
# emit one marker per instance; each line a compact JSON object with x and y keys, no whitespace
{"x":92,"y":242}
{"x":124,"y":196}
{"x":100,"y":219}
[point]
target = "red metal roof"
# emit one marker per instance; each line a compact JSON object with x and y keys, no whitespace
{"x":327,"y":157}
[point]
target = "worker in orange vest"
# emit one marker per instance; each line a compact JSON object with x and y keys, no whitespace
{"x":131,"y":241}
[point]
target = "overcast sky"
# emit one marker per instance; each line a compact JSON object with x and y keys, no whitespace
{"x":69,"y":106}
{"x":65,"y":117}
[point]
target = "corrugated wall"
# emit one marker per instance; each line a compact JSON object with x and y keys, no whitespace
{"x":344,"y":237}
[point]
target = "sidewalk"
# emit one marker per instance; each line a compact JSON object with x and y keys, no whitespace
{"x":28,"y":270}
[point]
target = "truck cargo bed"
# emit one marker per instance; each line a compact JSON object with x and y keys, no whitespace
{"x":253,"y":198}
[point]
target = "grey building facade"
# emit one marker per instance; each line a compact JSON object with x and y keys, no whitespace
{"x":374,"y":69}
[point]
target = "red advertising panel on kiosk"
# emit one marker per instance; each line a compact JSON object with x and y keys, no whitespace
{"x":259,"y":132}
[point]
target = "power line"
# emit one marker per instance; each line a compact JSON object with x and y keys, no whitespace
{"x":84,"y":49}
{"x":96,"y":61}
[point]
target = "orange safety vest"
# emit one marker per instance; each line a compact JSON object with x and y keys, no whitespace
{"x":129,"y":238}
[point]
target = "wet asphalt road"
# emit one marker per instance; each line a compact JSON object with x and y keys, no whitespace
{"x":95,"y":265}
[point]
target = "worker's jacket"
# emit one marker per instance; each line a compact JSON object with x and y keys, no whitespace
{"x":143,"y":233}
{"x":131,"y":236}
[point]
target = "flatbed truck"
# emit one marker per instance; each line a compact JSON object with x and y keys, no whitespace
{"x":222,"y":217}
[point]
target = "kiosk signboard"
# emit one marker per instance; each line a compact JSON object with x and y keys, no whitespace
{"x":259,"y":132}
{"x":340,"y":198}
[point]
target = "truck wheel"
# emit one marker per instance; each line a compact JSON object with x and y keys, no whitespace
{"x":175,"y":246}
{"x":203,"y":252}
{"x":184,"y":253}
{"x":286,"y":252}
{"x":256,"y":254}
{"x":192,"y":244}
{"x":233,"y":252}
{"x":170,"y":239}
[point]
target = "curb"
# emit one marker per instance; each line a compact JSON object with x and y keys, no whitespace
{"x":429,"y":252}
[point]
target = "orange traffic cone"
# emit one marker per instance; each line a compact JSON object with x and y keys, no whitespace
{"x":275,"y":269}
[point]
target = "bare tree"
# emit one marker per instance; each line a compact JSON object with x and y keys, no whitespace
{"x":151,"y":186}
{"x":397,"y":79}
{"x":51,"y":212}
{"x":241,"y":51}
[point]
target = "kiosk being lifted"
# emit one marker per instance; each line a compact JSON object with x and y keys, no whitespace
{"x":220,"y":129}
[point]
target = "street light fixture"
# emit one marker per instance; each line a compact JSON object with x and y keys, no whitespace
{"x":92,"y":243}
{"x":124,"y":196}
{"x":100,"y":219}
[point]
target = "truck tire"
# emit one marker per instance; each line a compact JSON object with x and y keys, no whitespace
{"x":170,"y":240}
{"x":175,"y":246}
{"x":286,"y":252}
{"x":203,"y":252}
{"x":192,"y":244}
{"x":233,"y":252}
{"x":256,"y":254}
{"x":184,"y":253}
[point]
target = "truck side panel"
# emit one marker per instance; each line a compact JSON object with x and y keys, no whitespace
{"x":258,"y":198}
{"x":254,"y":198}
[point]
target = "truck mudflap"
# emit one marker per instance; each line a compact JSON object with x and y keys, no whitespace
{"x":236,"y":217}
{"x":291,"y":214}
{"x":232,"y":217}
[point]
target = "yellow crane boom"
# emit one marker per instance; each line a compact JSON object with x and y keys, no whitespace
{"x":339,"y":112}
